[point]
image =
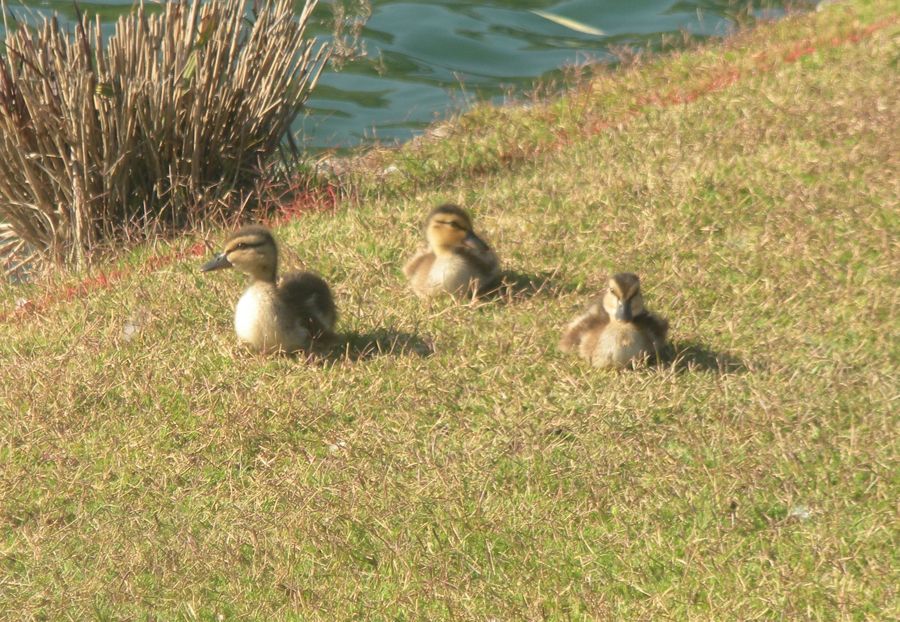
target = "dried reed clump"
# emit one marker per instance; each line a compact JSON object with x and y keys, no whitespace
{"x":176,"y":110}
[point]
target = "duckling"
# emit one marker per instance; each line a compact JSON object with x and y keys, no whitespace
{"x":616,"y":330}
{"x":272,"y":317}
{"x":456,"y":261}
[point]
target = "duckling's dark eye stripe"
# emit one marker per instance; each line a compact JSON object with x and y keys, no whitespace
{"x":243,"y":245}
{"x":451,"y":223}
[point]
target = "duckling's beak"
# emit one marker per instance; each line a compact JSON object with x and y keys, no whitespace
{"x":623,"y":311}
{"x":473,"y":240}
{"x":216,"y":263}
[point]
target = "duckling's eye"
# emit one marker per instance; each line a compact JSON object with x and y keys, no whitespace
{"x":241,"y":246}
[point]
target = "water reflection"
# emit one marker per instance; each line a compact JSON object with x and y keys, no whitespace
{"x":427,"y":59}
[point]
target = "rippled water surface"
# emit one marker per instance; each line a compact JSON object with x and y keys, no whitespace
{"x":427,"y":59}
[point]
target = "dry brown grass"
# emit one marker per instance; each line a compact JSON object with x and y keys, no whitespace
{"x":447,"y":463}
{"x":159,"y":124}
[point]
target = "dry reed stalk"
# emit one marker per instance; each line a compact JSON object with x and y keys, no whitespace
{"x":175,"y":111}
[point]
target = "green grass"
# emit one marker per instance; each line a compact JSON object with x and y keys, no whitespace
{"x":451,"y":463}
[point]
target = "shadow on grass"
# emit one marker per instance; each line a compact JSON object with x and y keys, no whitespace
{"x":381,"y":342}
{"x":519,"y":285}
{"x":691,"y":356}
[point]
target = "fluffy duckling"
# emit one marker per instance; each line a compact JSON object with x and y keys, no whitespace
{"x":616,"y":331}
{"x":456,"y":260}
{"x":272,"y":317}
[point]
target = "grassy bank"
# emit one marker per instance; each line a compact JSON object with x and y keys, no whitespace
{"x":448,"y":462}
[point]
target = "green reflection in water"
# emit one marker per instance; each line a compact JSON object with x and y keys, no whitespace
{"x":427,"y":59}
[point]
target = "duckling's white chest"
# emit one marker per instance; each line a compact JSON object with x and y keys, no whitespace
{"x":451,"y":273}
{"x":254,"y":318}
{"x":620,"y":345}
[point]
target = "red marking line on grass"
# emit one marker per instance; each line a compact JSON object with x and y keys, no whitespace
{"x":726,"y":78}
{"x":316,"y":200}
{"x":101,"y":280}
{"x":311,"y":200}
{"x":326,"y":198}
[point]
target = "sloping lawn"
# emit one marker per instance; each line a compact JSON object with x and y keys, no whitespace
{"x":446,"y":462}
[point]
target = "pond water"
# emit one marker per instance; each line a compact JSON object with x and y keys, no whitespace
{"x":426,"y":60}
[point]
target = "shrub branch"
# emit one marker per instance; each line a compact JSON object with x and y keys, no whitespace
{"x":173,"y":113}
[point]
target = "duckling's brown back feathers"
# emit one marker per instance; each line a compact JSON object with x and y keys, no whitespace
{"x":480,"y":259}
{"x":653,"y":325}
{"x":594,"y":317}
{"x":421,"y":262}
{"x":310,"y":296}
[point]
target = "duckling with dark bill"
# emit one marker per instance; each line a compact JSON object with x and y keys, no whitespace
{"x":456,"y":261}
{"x":616,"y":331}
{"x":272,"y":316}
